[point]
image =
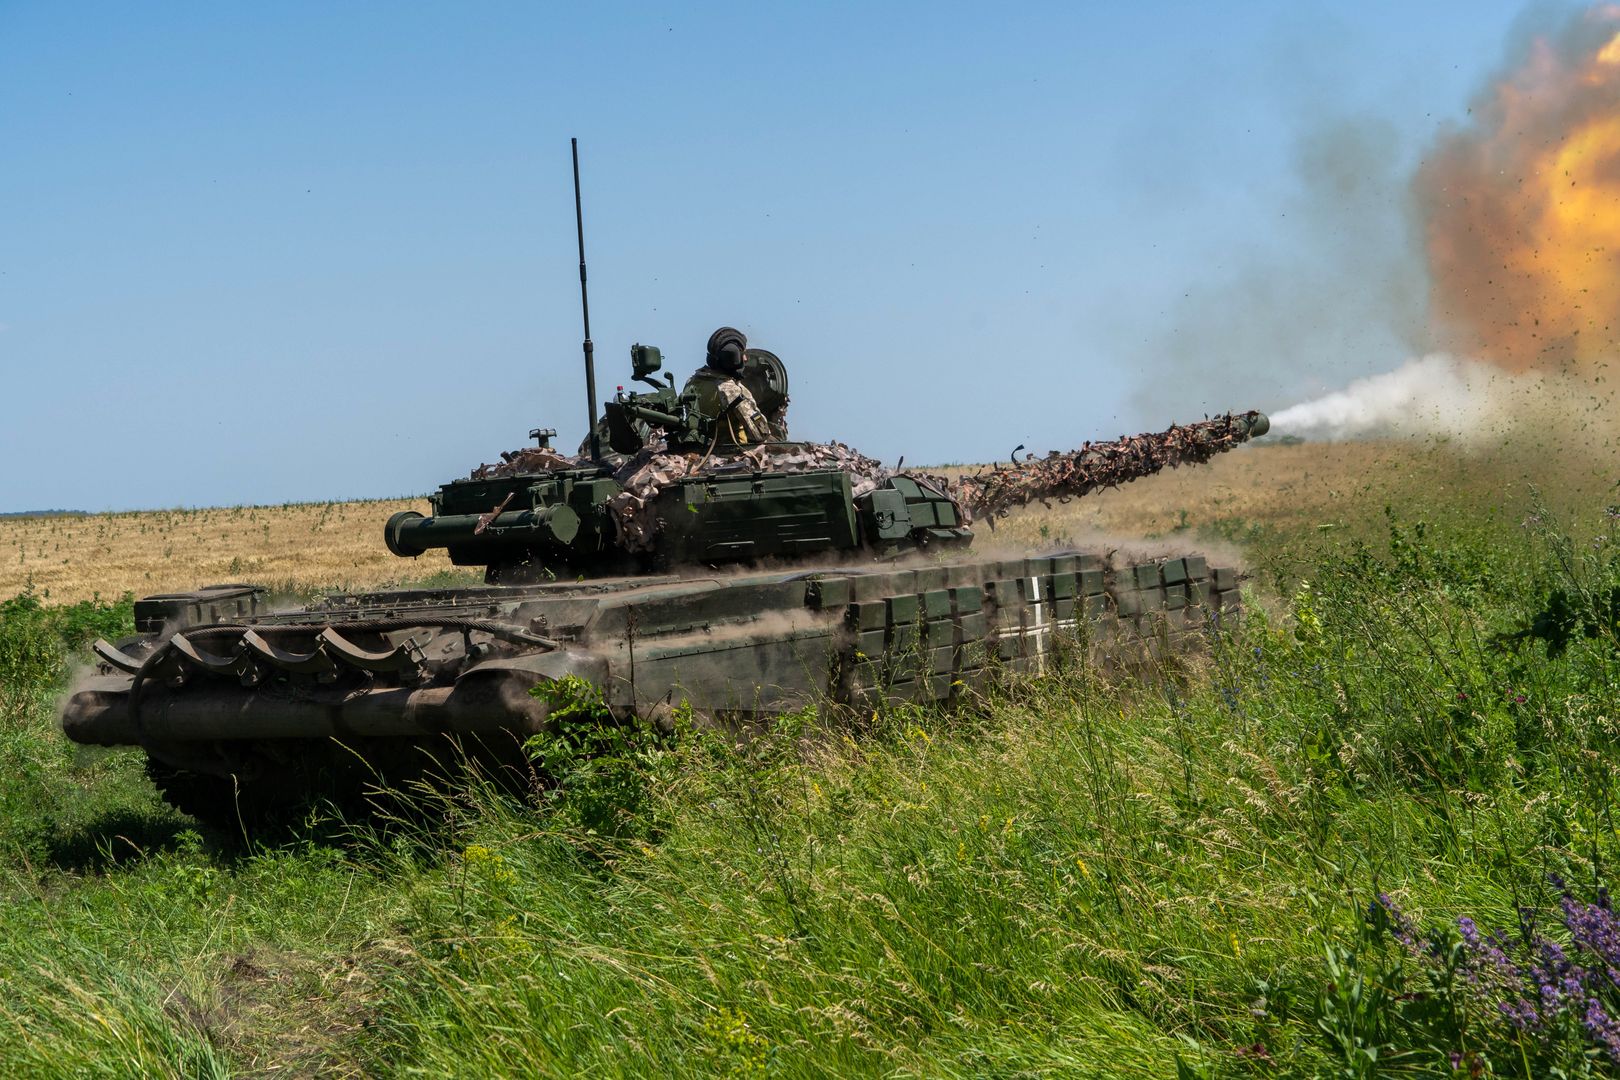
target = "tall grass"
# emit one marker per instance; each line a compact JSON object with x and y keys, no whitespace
{"x":1083,"y":877}
{"x":1084,"y":874}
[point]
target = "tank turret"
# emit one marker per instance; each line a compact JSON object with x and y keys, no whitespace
{"x":679,"y":491}
{"x":676,"y":491}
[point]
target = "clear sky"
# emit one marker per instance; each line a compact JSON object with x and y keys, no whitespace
{"x":270,"y":252}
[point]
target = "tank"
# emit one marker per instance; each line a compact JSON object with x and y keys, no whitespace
{"x":674,"y":567}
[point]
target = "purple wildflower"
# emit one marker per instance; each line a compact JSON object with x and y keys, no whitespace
{"x":1521,"y":1014}
{"x":1593,"y":927}
{"x":1485,"y":957}
{"x":1602,"y":1029}
{"x":1553,"y":989}
{"x":1401,"y":926}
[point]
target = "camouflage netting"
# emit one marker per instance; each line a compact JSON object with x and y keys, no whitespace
{"x":991,"y":493}
{"x":530,"y":460}
{"x":654,"y":468}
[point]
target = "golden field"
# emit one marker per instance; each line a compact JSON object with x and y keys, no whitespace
{"x":1287,"y":488}
{"x":295,"y":548}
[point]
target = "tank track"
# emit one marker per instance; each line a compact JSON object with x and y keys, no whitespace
{"x":270,"y":787}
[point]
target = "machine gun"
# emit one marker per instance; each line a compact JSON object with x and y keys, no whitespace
{"x":634,"y":417}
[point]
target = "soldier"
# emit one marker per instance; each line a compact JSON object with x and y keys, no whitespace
{"x":721,"y":393}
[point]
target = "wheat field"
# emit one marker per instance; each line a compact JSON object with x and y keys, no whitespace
{"x":301,"y":546}
{"x":313,"y":546}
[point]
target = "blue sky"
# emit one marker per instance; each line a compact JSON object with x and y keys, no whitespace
{"x":257,"y":253}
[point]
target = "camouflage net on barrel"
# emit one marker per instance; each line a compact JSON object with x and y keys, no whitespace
{"x":991,"y":493}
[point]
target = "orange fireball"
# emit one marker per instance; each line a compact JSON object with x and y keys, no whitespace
{"x":1522,"y":209}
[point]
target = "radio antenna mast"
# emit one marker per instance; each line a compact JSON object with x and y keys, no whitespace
{"x":585,"y":309}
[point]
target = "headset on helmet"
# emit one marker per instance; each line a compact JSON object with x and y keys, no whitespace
{"x":727,"y":349}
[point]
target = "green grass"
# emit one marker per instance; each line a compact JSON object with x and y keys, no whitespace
{"x":1078,"y":876}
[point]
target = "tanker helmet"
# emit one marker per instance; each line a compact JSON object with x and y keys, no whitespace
{"x":727,"y":348}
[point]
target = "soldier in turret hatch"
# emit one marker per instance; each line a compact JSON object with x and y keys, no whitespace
{"x":722,"y":394}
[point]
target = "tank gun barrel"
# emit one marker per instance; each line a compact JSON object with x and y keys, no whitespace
{"x":991,"y":493}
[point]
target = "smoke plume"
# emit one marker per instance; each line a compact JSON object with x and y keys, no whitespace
{"x":1303,"y":306}
{"x":1515,"y":218}
{"x":1434,"y":393}
{"x":1443,"y":395}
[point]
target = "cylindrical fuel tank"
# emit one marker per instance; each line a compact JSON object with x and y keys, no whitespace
{"x":409,"y":533}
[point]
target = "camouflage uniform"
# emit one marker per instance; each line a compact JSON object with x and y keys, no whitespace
{"x":723,"y":396}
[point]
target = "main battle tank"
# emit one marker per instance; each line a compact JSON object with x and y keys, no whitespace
{"x":671,"y":566}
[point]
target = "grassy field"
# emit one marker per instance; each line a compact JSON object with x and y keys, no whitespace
{"x":1241,"y":497}
{"x":1253,"y":863}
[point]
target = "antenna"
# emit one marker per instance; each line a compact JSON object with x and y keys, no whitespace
{"x":585,"y":308}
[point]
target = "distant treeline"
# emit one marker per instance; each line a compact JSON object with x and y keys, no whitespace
{"x":41,"y":513}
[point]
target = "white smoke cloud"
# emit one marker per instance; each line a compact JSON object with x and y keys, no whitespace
{"x":1438,"y":394}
